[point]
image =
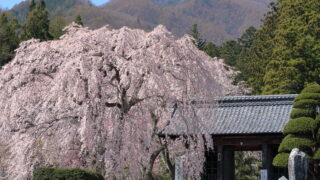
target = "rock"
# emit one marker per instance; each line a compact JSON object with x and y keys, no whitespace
{"x":298,"y":165}
{"x":54,"y":94}
{"x":283,"y":178}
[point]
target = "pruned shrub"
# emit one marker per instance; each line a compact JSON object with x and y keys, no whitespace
{"x":297,"y":113}
{"x":291,"y":141}
{"x":300,"y":125}
{"x":281,"y":160}
{"x":65,"y":174}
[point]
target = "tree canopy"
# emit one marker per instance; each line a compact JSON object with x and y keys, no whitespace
{"x":38,"y":23}
{"x":9,"y":39}
{"x":302,"y":131}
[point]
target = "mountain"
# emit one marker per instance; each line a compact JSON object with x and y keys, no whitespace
{"x":219,"y":20}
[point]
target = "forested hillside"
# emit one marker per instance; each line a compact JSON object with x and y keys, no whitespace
{"x":220,"y":19}
{"x":282,"y":56}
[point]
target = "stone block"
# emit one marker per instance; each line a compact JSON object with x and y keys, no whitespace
{"x":298,"y":165}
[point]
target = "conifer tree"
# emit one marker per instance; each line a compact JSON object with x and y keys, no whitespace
{"x":198,"y":41}
{"x":78,"y":20}
{"x":302,"y":131}
{"x":32,"y":5}
{"x":211,"y":49}
{"x":37,"y":25}
{"x":230,"y":51}
{"x":296,"y":54}
{"x":8,"y":38}
{"x":253,"y":60}
{"x":56,"y":27}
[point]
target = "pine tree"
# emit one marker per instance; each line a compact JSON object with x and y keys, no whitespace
{"x":198,"y":41}
{"x":37,"y":25}
{"x":302,"y":131}
{"x":56,"y":27}
{"x":8,"y":38}
{"x":78,"y":20}
{"x":230,"y":51}
{"x":296,"y":54}
{"x":254,"y":59}
{"x":248,"y":37}
{"x":211,"y":49}
{"x":32,"y":6}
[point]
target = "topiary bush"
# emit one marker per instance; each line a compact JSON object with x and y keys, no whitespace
{"x":300,"y":125}
{"x":65,"y":174}
{"x":302,"y":131}
{"x":291,"y":141}
{"x":296,"y":113}
{"x":281,"y":160}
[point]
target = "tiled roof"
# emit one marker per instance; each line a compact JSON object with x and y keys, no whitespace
{"x":241,"y":115}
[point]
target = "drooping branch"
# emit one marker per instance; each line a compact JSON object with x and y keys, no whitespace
{"x":113,"y":105}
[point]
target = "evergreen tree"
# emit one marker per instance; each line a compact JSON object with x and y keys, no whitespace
{"x":78,"y":20}
{"x":8,"y":38}
{"x":302,"y":131}
{"x":247,"y":37}
{"x":37,"y":25}
{"x":254,"y":59}
{"x":296,"y":54}
{"x":56,"y":27}
{"x":32,"y":6}
{"x":198,"y":41}
{"x":230,"y":51}
{"x":211,"y":49}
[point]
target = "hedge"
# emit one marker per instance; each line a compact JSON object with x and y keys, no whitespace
{"x":65,"y":174}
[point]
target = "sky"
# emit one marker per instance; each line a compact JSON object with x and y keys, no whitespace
{"x":7,"y":4}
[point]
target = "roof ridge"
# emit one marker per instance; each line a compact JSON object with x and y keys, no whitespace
{"x":257,"y":97}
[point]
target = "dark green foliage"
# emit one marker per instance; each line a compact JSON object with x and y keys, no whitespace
{"x":246,"y":166}
{"x":303,"y":129}
{"x":198,"y":41}
{"x":306,"y":103}
{"x":281,"y":160}
{"x":56,"y":26}
{"x":297,"y":113}
{"x":32,"y":5}
{"x":300,"y":125}
{"x":9,"y":39}
{"x":248,"y":37}
{"x":291,"y":141}
{"x":65,"y":174}
{"x":37,"y":24}
{"x":306,"y":95}
{"x":78,"y":20}
{"x":312,"y":88}
{"x":230,"y":51}
{"x":254,"y":59}
{"x":284,"y":77}
{"x":316,"y":155}
{"x":296,"y":52}
{"x":211,"y":49}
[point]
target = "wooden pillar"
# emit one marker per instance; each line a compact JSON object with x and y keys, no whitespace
{"x":220,"y":163}
{"x":225,"y":170}
{"x":267,"y":158}
{"x":228,"y":163}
